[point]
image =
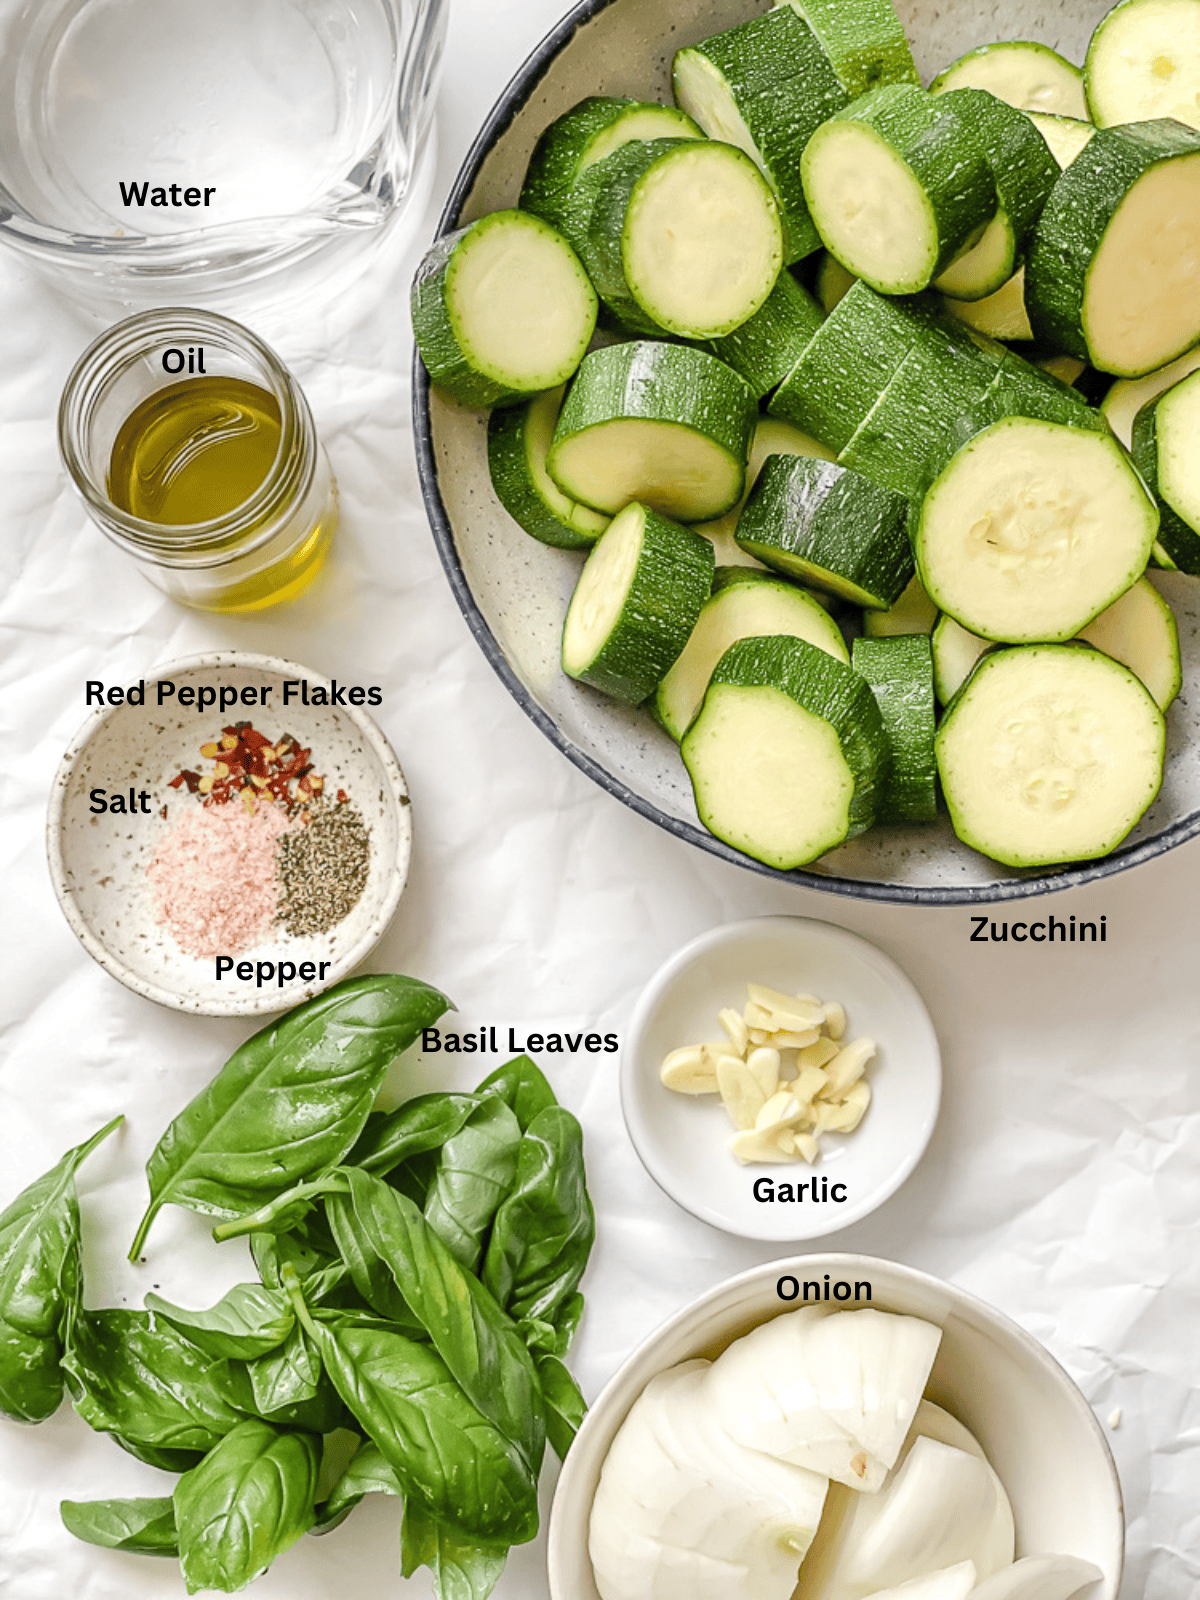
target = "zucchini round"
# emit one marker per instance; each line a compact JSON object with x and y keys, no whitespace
{"x":767,"y":347}
{"x":1128,"y":395}
{"x":914,"y":612}
{"x":518,"y":441}
{"x":864,"y":39}
{"x":900,"y":672}
{"x":1140,"y":631}
{"x":1164,"y":450}
{"x":1144,"y":62}
{"x":1021,"y":72}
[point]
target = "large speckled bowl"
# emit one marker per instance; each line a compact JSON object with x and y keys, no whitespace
{"x":98,"y":861}
{"x":514,"y":592}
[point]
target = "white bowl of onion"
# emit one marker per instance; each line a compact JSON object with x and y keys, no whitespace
{"x":1032,"y":1423}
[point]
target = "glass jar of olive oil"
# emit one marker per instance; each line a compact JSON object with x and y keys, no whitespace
{"x":194,"y":449}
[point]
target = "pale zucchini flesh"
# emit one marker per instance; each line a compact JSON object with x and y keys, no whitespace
{"x":914,"y":612}
{"x":1128,"y":395}
{"x":1032,"y":530}
{"x":1178,"y":423}
{"x":1178,"y":544}
{"x":955,"y":652}
{"x":1049,"y":754}
{"x":1024,"y":74}
{"x":1144,"y":62}
{"x":986,"y":267}
{"x":1001,"y":315}
{"x":1140,"y":631}
{"x":771,"y":438}
{"x":1065,"y":136}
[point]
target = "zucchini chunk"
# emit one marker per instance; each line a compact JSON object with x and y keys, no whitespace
{"x":1032,"y":530}
{"x":764,"y":86}
{"x":955,"y":652}
{"x":788,"y":753}
{"x":684,"y":237}
{"x":744,"y":604}
{"x":1049,"y":754}
{"x":864,"y":39}
{"x":771,"y":438}
{"x":636,"y":602}
{"x":914,"y":612}
{"x":573,"y":143}
{"x":827,"y":526}
{"x":660,"y":423}
{"x":518,"y":441}
{"x":1025,"y":74}
{"x":1165,"y":432}
{"x":1113,"y":274}
{"x":1140,"y":631}
{"x":501,"y":310}
{"x":1128,"y":395}
{"x":900,"y":672}
{"x":1144,"y":62}
{"x":1022,"y":389}
{"x":897,"y":187}
{"x":1001,"y":315}
{"x":767,"y":347}
{"x":1065,"y":136}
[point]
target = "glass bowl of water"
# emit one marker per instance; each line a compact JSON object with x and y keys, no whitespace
{"x":153,"y":151}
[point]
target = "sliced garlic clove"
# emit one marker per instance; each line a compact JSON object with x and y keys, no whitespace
{"x":806,"y":1146}
{"x":779,"y":1111}
{"x":846,"y":1068}
{"x":786,"y":1011}
{"x":785,"y":1040}
{"x":816,"y":1055}
{"x":835,"y":1020}
{"x":687,"y":1072}
{"x":762,"y":1036}
{"x":758,"y":1144}
{"x":735,"y":1029}
{"x":717,"y":1051}
{"x":740,"y":1091}
{"x":758,"y":1017}
{"x":763,"y":1063}
{"x":786,"y":1142}
{"x":847,"y":1115}
{"x":807,"y":1084}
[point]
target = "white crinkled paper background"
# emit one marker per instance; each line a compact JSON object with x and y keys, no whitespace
{"x":1063,"y":1181}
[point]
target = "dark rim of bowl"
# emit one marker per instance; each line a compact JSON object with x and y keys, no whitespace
{"x":512,"y":101}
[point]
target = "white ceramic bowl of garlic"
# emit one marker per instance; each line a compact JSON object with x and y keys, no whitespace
{"x":1032,"y":1422}
{"x":686,"y":1141}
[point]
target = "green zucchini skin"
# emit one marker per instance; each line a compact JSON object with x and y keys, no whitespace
{"x":670,"y":583}
{"x":566,"y":150}
{"x":514,"y":435}
{"x":1070,"y":232}
{"x":900,"y":673}
{"x":784,"y":86}
{"x":450,"y":366}
{"x":1178,"y":540}
{"x":819,"y":685}
{"x":1021,"y":389}
{"x":656,"y":382}
{"x":864,"y":39}
{"x":944,"y":160}
{"x":1023,"y":169}
{"x":767,"y":347}
{"x":822,"y":524}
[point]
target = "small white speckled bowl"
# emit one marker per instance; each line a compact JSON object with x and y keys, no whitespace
{"x":98,"y":862}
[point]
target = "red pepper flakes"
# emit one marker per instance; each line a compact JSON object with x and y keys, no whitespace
{"x":246,"y":765}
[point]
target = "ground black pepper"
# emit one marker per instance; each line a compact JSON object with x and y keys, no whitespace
{"x":322,"y":868}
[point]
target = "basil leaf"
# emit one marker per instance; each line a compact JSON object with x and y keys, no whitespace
{"x":443,"y":1451}
{"x":247,"y":1322}
{"x":320,"y":1274}
{"x":421,"y":1124}
{"x":473,"y":1336}
{"x":475,"y":1171}
{"x":461,"y":1571}
{"x":367,"y":1472}
{"x":165,"y":1460}
{"x":553,"y":1337}
{"x":371,"y":1274}
{"x":564,"y":1403}
{"x":544,"y":1230}
{"x":248,"y":1500}
{"x":288,"y":1387}
{"x":523,"y":1087}
{"x":138,"y":1378}
{"x":145,"y":1527}
{"x":290,"y":1101}
{"x":39,"y":1277}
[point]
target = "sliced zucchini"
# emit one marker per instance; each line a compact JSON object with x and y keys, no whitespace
{"x":744,"y":604}
{"x":636,"y":602}
{"x":764,"y":86}
{"x":955,"y":652}
{"x":1128,"y":395}
{"x":771,"y":438}
{"x":501,"y":310}
{"x":1049,"y":754}
{"x":864,"y":39}
{"x":518,"y":441}
{"x":1113,"y":274}
{"x":1032,"y":530}
{"x":833,"y":281}
{"x":766,"y":348}
{"x":1021,"y":389}
{"x":1065,"y":136}
{"x":914,"y":612}
{"x":848,"y":364}
{"x":829,"y":527}
{"x":1023,"y":171}
{"x":684,"y":237}
{"x":1001,"y":315}
{"x":897,"y":187}
{"x":1140,"y":631}
{"x":1025,"y":74}
{"x":900,"y":672}
{"x":1165,"y":432}
{"x":788,"y":753}
{"x":661,"y":423}
{"x":576,"y":141}
{"x":1144,"y":62}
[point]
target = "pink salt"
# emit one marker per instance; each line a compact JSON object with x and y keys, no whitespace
{"x":212,"y":880}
